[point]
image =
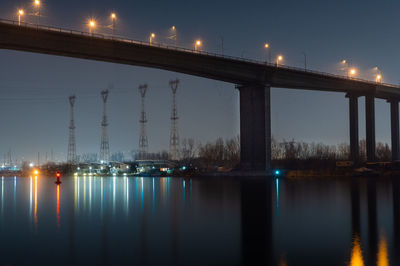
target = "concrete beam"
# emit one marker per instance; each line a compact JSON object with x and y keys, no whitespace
{"x":353,"y":119}
{"x":370,"y":126}
{"x":394,"y":124}
{"x":255,"y":128}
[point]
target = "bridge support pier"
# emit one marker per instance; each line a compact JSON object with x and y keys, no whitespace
{"x":353,"y":119}
{"x":370,"y":126}
{"x":255,"y":128}
{"x":394,"y":124}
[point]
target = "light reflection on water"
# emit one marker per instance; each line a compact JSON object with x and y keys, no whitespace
{"x":169,"y":221}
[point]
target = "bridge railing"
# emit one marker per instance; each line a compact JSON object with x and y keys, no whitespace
{"x":176,"y":48}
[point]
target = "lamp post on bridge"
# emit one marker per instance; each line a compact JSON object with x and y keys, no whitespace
{"x":92,"y":26}
{"x":152,"y":36}
{"x":113,"y":19}
{"x":20,"y":14}
{"x":37,"y":4}
{"x":305,"y":60}
{"x":278,"y":59}
{"x":378,"y":76}
{"x":197,"y":44}
{"x":267,"y":46}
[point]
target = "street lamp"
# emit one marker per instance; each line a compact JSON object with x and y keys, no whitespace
{"x":196,"y":45}
{"x":345,"y":67}
{"x":92,"y":25}
{"x":174,"y":35}
{"x":266,"y":45}
{"x":20,"y":14}
{"x":152,"y":36}
{"x":278,"y":59}
{"x":113,"y":19}
{"x":352,"y":72}
{"x":378,"y":76}
{"x":37,"y":4}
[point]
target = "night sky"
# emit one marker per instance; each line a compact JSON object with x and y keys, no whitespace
{"x":34,"y":88}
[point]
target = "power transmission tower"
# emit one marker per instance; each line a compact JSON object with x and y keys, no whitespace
{"x":143,"y":142}
{"x":174,"y":138}
{"x":105,"y":146}
{"x":71,"y":158}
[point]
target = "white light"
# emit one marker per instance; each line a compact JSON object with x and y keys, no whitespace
{"x":31,"y":165}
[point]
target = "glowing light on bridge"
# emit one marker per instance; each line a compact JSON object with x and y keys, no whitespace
{"x":197,"y":44}
{"x":20,"y":14}
{"x":113,"y":19}
{"x":152,"y":36}
{"x":279,"y":58}
{"x":174,"y":35}
{"x":267,"y":46}
{"x":378,"y":76}
{"x":37,"y":4}
{"x":352,"y":72}
{"x":92,"y":25}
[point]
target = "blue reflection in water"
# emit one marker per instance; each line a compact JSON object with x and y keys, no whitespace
{"x":142,"y":195}
{"x":277,"y":196}
{"x":154,"y":202}
{"x":2,"y":195}
{"x":190,"y":191}
{"x":15,"y":193}
{"x":184,"y":192}
{"x":113,"y":187}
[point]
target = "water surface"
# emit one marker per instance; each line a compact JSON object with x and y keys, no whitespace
{"x":176,"y":221}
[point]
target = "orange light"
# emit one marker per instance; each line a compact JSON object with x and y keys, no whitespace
{"x":113,"y":16}
{"x":353,"y":72}
{"x":58,"y":174}
{"x":37,"y":2}
{"x":92,"y":23}
{"x":21,"y":12}
{"x":36,"y":171}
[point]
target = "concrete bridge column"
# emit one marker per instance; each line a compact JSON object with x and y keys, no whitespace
{"x":394,"y":123}
{"x":353,"y":119}
{"x":370,"y":126}
{"x":255,"y":127}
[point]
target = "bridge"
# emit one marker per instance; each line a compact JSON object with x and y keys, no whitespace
{"x":253,"y":79}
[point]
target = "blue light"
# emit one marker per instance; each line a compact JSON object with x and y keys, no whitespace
{"x":277,"y":172}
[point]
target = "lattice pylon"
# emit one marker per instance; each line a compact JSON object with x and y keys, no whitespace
{"x":105,"y":146}
{"x":174,"y":151}
{"x":143,"y":142}
{"x":71,"y":158}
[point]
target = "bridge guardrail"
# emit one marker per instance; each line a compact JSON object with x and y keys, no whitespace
{"x":176,"y":48}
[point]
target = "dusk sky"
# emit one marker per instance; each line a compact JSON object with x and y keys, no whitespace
{"x":34,"y":88}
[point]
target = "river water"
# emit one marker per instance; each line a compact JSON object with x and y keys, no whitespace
{"x":177,"y":221}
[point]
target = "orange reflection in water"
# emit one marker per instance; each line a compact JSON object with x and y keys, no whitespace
{"x":382,"y":253}
{"x":356,"y":253}
{"x":58,"y":205}
{"x":35,"y":200}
